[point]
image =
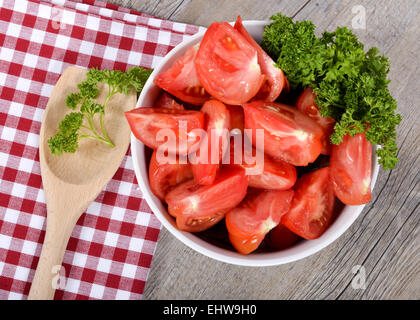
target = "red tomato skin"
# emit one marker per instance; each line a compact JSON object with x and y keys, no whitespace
{"x":163,"y":177}
{"x":167,"y":102}
{"x":351,"y":170}
{"x":181,"y":79}
{"x":281,"y":237}
{"x":289,"y":134}
{"x":274,"y":76}
{"x":145,"y":123}
{"x":217,"y":117}
{"x":261,"y":211}
{"x":312,"y":207}
{"x":227,"y":65}
{"x":306,"y":104}
{"x":191,"y":200}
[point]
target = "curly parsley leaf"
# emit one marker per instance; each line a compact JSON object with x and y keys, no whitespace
{"x":66,"y":140}
{"x":73,"y":99}
{"x":79,"y":125}
{"x":351,"y":85}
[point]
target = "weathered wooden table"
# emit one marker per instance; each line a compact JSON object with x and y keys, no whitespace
{"x":384,"y":240}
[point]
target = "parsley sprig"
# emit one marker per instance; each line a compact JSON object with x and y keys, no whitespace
{"x":351,"y":85}
{"x":80,"y":124}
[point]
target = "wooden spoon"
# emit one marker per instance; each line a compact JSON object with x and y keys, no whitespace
{"x":72,"y":181}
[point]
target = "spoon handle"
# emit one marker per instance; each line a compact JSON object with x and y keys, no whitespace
{"x":49,"y":274}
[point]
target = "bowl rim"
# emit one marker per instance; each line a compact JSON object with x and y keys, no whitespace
{"x":297,"y":252}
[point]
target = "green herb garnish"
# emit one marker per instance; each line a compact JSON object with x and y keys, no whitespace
{"x":351,"y":85}
{"x":80,"y":124}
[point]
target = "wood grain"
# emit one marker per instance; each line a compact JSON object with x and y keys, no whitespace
{"x":384,"y":239}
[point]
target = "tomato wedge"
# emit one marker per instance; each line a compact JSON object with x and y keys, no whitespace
{"x":164,"y":176}
{"x":276,"y":175}
{"x":271,"y":174}
{"x":306,"y":104}
{"x":245,"y":245}
{"x":145,"y":123}
{"x":289,"y":134}
{"x":274,"y":77}
{"x":167,"y":102}
{"x":227,"y":65}
{"x":218,"y":123}
{"x":182,"y":81}
{"x":198,"y":207}
{"x":351,"y":170}
{"x":199,"y":224}
{"x":260,"y":212}
{"x":312,"y":207}
{"x":281,"y":237}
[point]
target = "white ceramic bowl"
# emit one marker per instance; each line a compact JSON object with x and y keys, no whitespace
{"x":300,"y":250}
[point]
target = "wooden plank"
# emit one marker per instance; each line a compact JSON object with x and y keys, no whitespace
{"x":159,"y":8}
{"x":384,"y":239}
{"x":203,"y":12}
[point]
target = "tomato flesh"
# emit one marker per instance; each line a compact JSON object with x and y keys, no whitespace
{"x":260,"y":212}
{"x":274,"y":77}
{"x":145,"y":123}
{"x":312,"y":207}
{"x":182,"y":81}
{"x":167,"y":102}
{"x":199,"y":224}
{"x":289,"y":134}
{"x":227,"y":65}
{"x":270,"y":174}
{"x":245,"y":245}
{"x":164,"y":176}
{"x":306,"y":104}
{"x":351,"y":170}
{"x":200,"y":203}
{"x":237,"y":117}
{"x":218,"y":123}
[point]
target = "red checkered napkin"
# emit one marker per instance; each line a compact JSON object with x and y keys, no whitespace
{"x":112,"y":245}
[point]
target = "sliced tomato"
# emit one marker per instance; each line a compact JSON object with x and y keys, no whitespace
{"x":167,"y":102}
{"x":191,"y":202}
{"x":145,"y":123}
{"x":164,"y":176}
{"x":289,"y":134}
{"x":237,"y":117}
{"x":199,"y":224}
{"x":227,"y":65}
{"x":274,"y":77}
{"x":210,"y":153}
{"x":260,"y":212}
{"x":181,"y":79}
{"x":270,"y":174}
{"x":245,"y":245}
{"x":312,"y":207}
{"x":351,"y":170}
{"x":275,"y":175}
{"x":306,"y":104}
{"x":281,"y":237}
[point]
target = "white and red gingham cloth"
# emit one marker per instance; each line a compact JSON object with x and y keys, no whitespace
{"x":111,"y":248}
